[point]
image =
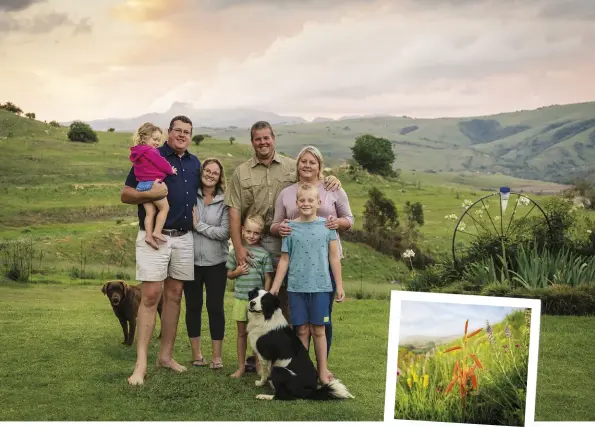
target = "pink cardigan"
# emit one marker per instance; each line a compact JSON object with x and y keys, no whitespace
{"x":149,"y":164}
{"x":333,"y":203}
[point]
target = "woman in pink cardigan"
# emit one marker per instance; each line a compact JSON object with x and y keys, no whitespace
{"x":334,"y":207}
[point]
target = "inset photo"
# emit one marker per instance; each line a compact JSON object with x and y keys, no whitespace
{"x":462,"y":359}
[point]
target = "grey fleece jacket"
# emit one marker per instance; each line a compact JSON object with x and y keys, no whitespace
{"x":211,"y":233}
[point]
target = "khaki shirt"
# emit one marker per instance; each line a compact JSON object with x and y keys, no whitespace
{"x":254,"y":189}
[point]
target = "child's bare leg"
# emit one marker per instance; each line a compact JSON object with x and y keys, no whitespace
{"x":241,"y":348}
{"x":303,"y":334}
{"x":150,"y":211}
{"x":163,"y":207}
{"x":319,"y":335}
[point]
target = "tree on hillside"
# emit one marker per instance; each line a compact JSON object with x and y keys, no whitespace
{"x":380,"y":213}
{"x":9,"y":106}
{"x":197,"y":139}
{"x":81,"y":132}
{"x":374,"y":154}
{"x":111,"y":130}
{"x":54,"y":124}
{"x":231,"y":139}
{"x":30,"y":116}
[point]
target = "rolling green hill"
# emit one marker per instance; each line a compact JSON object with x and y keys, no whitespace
{"x":64,"y":197}
{"x":553,"y":143}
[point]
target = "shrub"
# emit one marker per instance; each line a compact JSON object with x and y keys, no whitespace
{"x":30,"y":116}
{"x":81,"y":132}
{"x":9,"y":106}
{"x":197,"y":139}
{"x":54,"y":124}
{"x":111,"y":130}
{"x":17,"y":260}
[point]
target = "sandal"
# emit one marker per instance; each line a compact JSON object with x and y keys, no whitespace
{"x":199,"y":362}
{"x":216,"y":365}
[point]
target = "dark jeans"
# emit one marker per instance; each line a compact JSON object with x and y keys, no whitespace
{"x":214,"y":279}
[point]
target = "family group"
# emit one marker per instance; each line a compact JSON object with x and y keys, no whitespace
{"x":283,"y":218}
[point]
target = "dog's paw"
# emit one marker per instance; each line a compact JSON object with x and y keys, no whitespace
{"x":259,"y":383}
{"x":265,"y":396}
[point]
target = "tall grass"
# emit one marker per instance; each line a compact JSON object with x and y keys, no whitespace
{"x":16,"y":259}
{"x":534,"y":268}
{"x":489,"y":386}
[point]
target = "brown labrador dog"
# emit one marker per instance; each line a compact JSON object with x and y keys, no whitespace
{"x":125,"y":300}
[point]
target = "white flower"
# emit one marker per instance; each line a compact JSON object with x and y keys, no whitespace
{"x":589,"y":231}
{"x":452,"y":217}
{"x":466,"y":203}
{"x":408,"y":254}
{"x":523,"y":201}
{"x":462,"y":226}
{"x":487,"y":206}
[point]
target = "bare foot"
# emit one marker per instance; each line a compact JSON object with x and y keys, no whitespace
{"x":151,"y":242}
{"x":238,"y":373}
{"x":137,"y":378}
{"x":171,"y":364}
{"x":159,"y":236}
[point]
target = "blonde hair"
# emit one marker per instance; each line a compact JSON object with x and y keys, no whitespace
{"x":317,"y":155}
{"x":256,"y":219}
{"x":304,"y":188}
{"x":220,"y":186}
{"x":144,"y":132}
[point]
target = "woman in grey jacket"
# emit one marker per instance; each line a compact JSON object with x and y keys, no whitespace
{"x":211,"y":247}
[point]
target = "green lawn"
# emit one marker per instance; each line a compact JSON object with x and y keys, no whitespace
{"x":62,"y":360}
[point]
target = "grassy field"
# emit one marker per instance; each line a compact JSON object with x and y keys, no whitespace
{"x":61,"y":350}
{"x":495,"y":391}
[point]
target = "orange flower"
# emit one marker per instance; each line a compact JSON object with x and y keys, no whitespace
{"x":474,"y":332}
{"x":458,"y":347}
{"x":476,"y":360}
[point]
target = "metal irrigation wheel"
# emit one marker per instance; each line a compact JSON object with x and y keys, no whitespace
{"x":496,"y":218}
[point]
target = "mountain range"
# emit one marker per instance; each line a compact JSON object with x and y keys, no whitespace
{"x":553,"y":143}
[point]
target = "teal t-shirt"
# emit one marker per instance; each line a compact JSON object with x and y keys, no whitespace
{"x":308,"y":249}
{"x":255,"y":278}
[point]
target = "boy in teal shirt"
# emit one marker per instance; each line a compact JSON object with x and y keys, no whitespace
{"x":307,"y":253}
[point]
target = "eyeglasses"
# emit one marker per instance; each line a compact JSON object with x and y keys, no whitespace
{"x":180,"y":131}
{"x":212,"y":173}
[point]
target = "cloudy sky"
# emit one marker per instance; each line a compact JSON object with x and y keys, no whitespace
{"x":438,"y":319}
{"x":90,"y":59}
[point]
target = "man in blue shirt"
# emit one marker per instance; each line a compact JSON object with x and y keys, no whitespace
{"x":173,"y":263}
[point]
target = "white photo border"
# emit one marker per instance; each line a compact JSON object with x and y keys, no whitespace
{"x":393,"y":347}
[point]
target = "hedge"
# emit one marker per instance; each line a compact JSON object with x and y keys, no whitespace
{"x":556,"y":300}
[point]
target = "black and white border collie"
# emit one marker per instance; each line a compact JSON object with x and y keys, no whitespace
{"x":284,"y":361}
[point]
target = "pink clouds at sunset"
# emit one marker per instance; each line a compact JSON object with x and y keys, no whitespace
{"x":423,"y":58}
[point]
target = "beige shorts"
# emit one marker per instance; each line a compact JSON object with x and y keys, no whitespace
{"x":173,"y":259}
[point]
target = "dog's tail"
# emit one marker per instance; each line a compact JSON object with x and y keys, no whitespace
{"x":335,"y":389}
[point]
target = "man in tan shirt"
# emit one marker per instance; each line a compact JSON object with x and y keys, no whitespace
{"x":253,"y":190}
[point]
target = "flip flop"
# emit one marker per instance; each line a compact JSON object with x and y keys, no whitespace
{"x":216,"y":365}
{"x":199,"y":362}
